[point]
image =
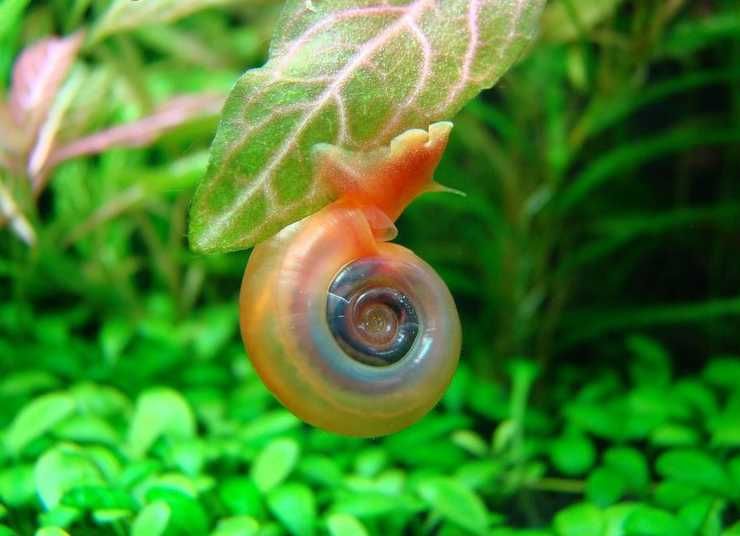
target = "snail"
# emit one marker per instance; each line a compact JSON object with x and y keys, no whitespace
{"x":352,"y":333}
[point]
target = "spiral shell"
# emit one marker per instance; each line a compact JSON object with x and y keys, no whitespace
{"x":354,"y":335}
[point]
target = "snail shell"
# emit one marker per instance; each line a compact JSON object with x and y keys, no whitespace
{"x":354,"y":334}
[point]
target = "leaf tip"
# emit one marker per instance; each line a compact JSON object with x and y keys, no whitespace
{"x":197,"y":239}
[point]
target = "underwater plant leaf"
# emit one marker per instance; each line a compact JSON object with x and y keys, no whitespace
{"x":159,"y":411}
{"x":566,"y":20}
{"x":142,"y":131}
{"x":125,"y":15}
{"x":350,"y":73}
{"x":294,"y":505}
{"x":581,"y":518}
{"x":152,"y":520}
{"x":275,"y":463}
{"x":10,"y":12}
{"x":37,"y":76}
{"x":237,"y":526}
{"x":345,"y":525}
{"x":10,"y":211}
{"x":61,"y":469}
{"x":50,"y":128}
{"x":690,"y":36}
{"x":37,"y":418}
{"x":628,"y":156}
{"x":455,"y":502}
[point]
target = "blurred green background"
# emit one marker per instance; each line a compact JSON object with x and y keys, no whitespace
{"x":594,"y":262}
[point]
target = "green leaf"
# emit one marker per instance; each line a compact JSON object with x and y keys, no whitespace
{"x":519,"y":532}
{"x":60,"y":516}
{"x":674,"y":435}
{"x":370,"y":462}
{"x":159,"y":412}
{"x":10,"y":13}
{"x":188,"y":456}
{"x":479,"y":473}
{"x":566,"y":20}
{"x":455,"y":502}
{"x":169,"y":482}
{"x":672,"y":494}
{"x":5,"y":531}
{"x":605,"y":486}
{"x":100,"y":400}
{"x":725,"y":428}
{"x":470,"y":442}
{"x":370,"y":505}
{"x":27,"y":382}
{"x":124,"y":15}
{"x":186,"y":514}
{"x":345,"y":525}
{"x":98,"y":498}
{"x":87,"y":429}
{"x":108,"y":516}
{"x":602,"y":420}
{"x":694,"y":467}
{"x":700,"y":32}
{"x":295,"y":507}
{"x":17,"y":486}
{"x":321,"y":470}
{"x":115,"y":332}
{"x":610,"y":109}
{"x":241,"y":497}
{"x":648,"y":521}
{"x":572,"y":454}
{"x":723,"y":372}
{"x":37,"y":417}
{"x":61,"y":469}
{"x":631,"y":464}
{"x":237,"y":526}
{"x":105,"y":460}
{"x":651,"y":364}
{"x":268,"y":425}
{"x":352,"y":75}
{"x":697,"y":396}
{"x":579,"y":520}
{"x":734,"y":469}
{"x":615,"y":518}
{"x":152,"y":520}
{"x":51,"y":531}
{"x":274,"y":463}
{"x":136,"y":471}
{"x":427,"y":431}
{"x":620,"y":160}
{"x":3,"y":511}
{"x":703,"y":515}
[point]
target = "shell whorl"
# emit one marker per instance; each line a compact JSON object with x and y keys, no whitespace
{"x":372,"y":320}
{"x":353,"y":335}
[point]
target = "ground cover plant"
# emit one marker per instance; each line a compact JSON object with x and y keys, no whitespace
{"x":593,"y":261}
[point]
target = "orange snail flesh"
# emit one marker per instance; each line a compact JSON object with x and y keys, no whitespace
{"x":351,"y":333}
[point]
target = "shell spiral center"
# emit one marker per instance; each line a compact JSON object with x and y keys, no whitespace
{"x":372,"y":319}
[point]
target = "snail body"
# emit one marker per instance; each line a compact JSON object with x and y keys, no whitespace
{"x":352,"y":333}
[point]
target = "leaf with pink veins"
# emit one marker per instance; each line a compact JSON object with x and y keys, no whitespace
{"x":351,"y":73}
{"x":37,"y":76}
{"x":142,"y":131}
